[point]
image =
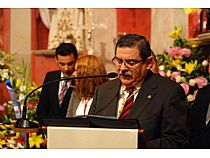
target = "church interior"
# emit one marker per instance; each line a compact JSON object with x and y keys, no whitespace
{"x":32,"y":34}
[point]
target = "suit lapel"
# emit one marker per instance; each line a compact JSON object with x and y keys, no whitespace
{"x":144,"y":97}
{"x":206,"y":100}
{"x":54,"y":90}
{"x":208,"y":125}
{"x":111,"y":101}
{"x":65,"y":102}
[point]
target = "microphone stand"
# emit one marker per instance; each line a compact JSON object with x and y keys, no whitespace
{"x":24,"y":122}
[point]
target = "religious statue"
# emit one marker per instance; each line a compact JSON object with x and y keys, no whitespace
{"x":74,"y":25}
{"x":61,"y":23}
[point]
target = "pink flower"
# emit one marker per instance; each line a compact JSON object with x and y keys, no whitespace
{"x":174,"y":52}
{"x":31,"y":105}
{"x":2,"y":107}
{"x":185,"y":87}
{"x":175,"y":74}
{"x":201,"y":81}
{"x":20,"y":140}
{"x":162,"y":73}
{"x":185,"y":52}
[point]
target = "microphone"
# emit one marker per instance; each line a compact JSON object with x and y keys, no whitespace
{"x":26,"y":123}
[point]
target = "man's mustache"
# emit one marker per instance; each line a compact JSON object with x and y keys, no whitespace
{"x":125,"y":73}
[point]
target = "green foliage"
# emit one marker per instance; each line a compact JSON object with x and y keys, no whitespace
{"x":22,"y":86}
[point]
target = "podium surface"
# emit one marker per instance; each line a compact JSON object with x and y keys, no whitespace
{"x":91,"y":138}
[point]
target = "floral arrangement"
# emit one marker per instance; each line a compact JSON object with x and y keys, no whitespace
{"x":192,"y":10}
{"x":186,"y":64}
{"x":15,"y":140}
{"x":10,"y":139}
{"x":6,"y":67}
{"x":21,"y":86}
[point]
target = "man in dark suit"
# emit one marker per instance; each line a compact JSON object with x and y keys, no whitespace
{"x":158,"y":103}
{"x":54,"y":99}
{"x":200,"y":118}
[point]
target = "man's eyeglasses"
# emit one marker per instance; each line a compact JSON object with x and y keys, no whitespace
{"x":128,"y":62}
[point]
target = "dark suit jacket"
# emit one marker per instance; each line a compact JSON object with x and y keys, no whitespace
{"x":163,"y":116}
{"x":200,"y":132}
{"x":49,"y":103}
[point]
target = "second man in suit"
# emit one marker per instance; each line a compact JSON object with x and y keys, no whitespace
{"x":54,"y":99}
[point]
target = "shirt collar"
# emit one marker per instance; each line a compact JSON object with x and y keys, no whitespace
{"x":124,"y":87}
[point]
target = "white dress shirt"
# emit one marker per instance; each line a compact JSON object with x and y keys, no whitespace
{"x":123,"y":96}
{"x":60,"y":88}
{"x":208,"y":115}
{"x":84,"y":107}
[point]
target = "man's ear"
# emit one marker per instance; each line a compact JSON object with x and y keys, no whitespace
{"x":149,"y":62}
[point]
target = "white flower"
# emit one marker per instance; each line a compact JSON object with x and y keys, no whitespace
{"x":161,"y":67}
{"x":10,"y":102}
{"x":190,"y":97}
{"x":192,"y":82}
{"x":11,"y":143}
{"x":22,"y":88}
{"x":21,"y":96}
{"x":205,"y":63}
{"x":178,"y":79}
{"x":4,"y":74}
{"x":20,"y":146}
{"x":168,"y":73}
{"x":1,"y":63}
{"x":179,"y":67}
{"x":183,"y":79}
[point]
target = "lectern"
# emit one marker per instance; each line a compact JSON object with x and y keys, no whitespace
{"x":93,"y":133}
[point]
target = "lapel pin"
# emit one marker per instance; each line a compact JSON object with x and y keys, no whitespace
{"x":149,"y":96}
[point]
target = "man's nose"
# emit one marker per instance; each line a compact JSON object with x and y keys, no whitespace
{"x":123,"y":66}
{"x":65,"y":67}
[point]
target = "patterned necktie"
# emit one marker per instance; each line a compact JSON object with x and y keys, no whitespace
{"x":128,"y":103}
{"x":64,"y":88}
